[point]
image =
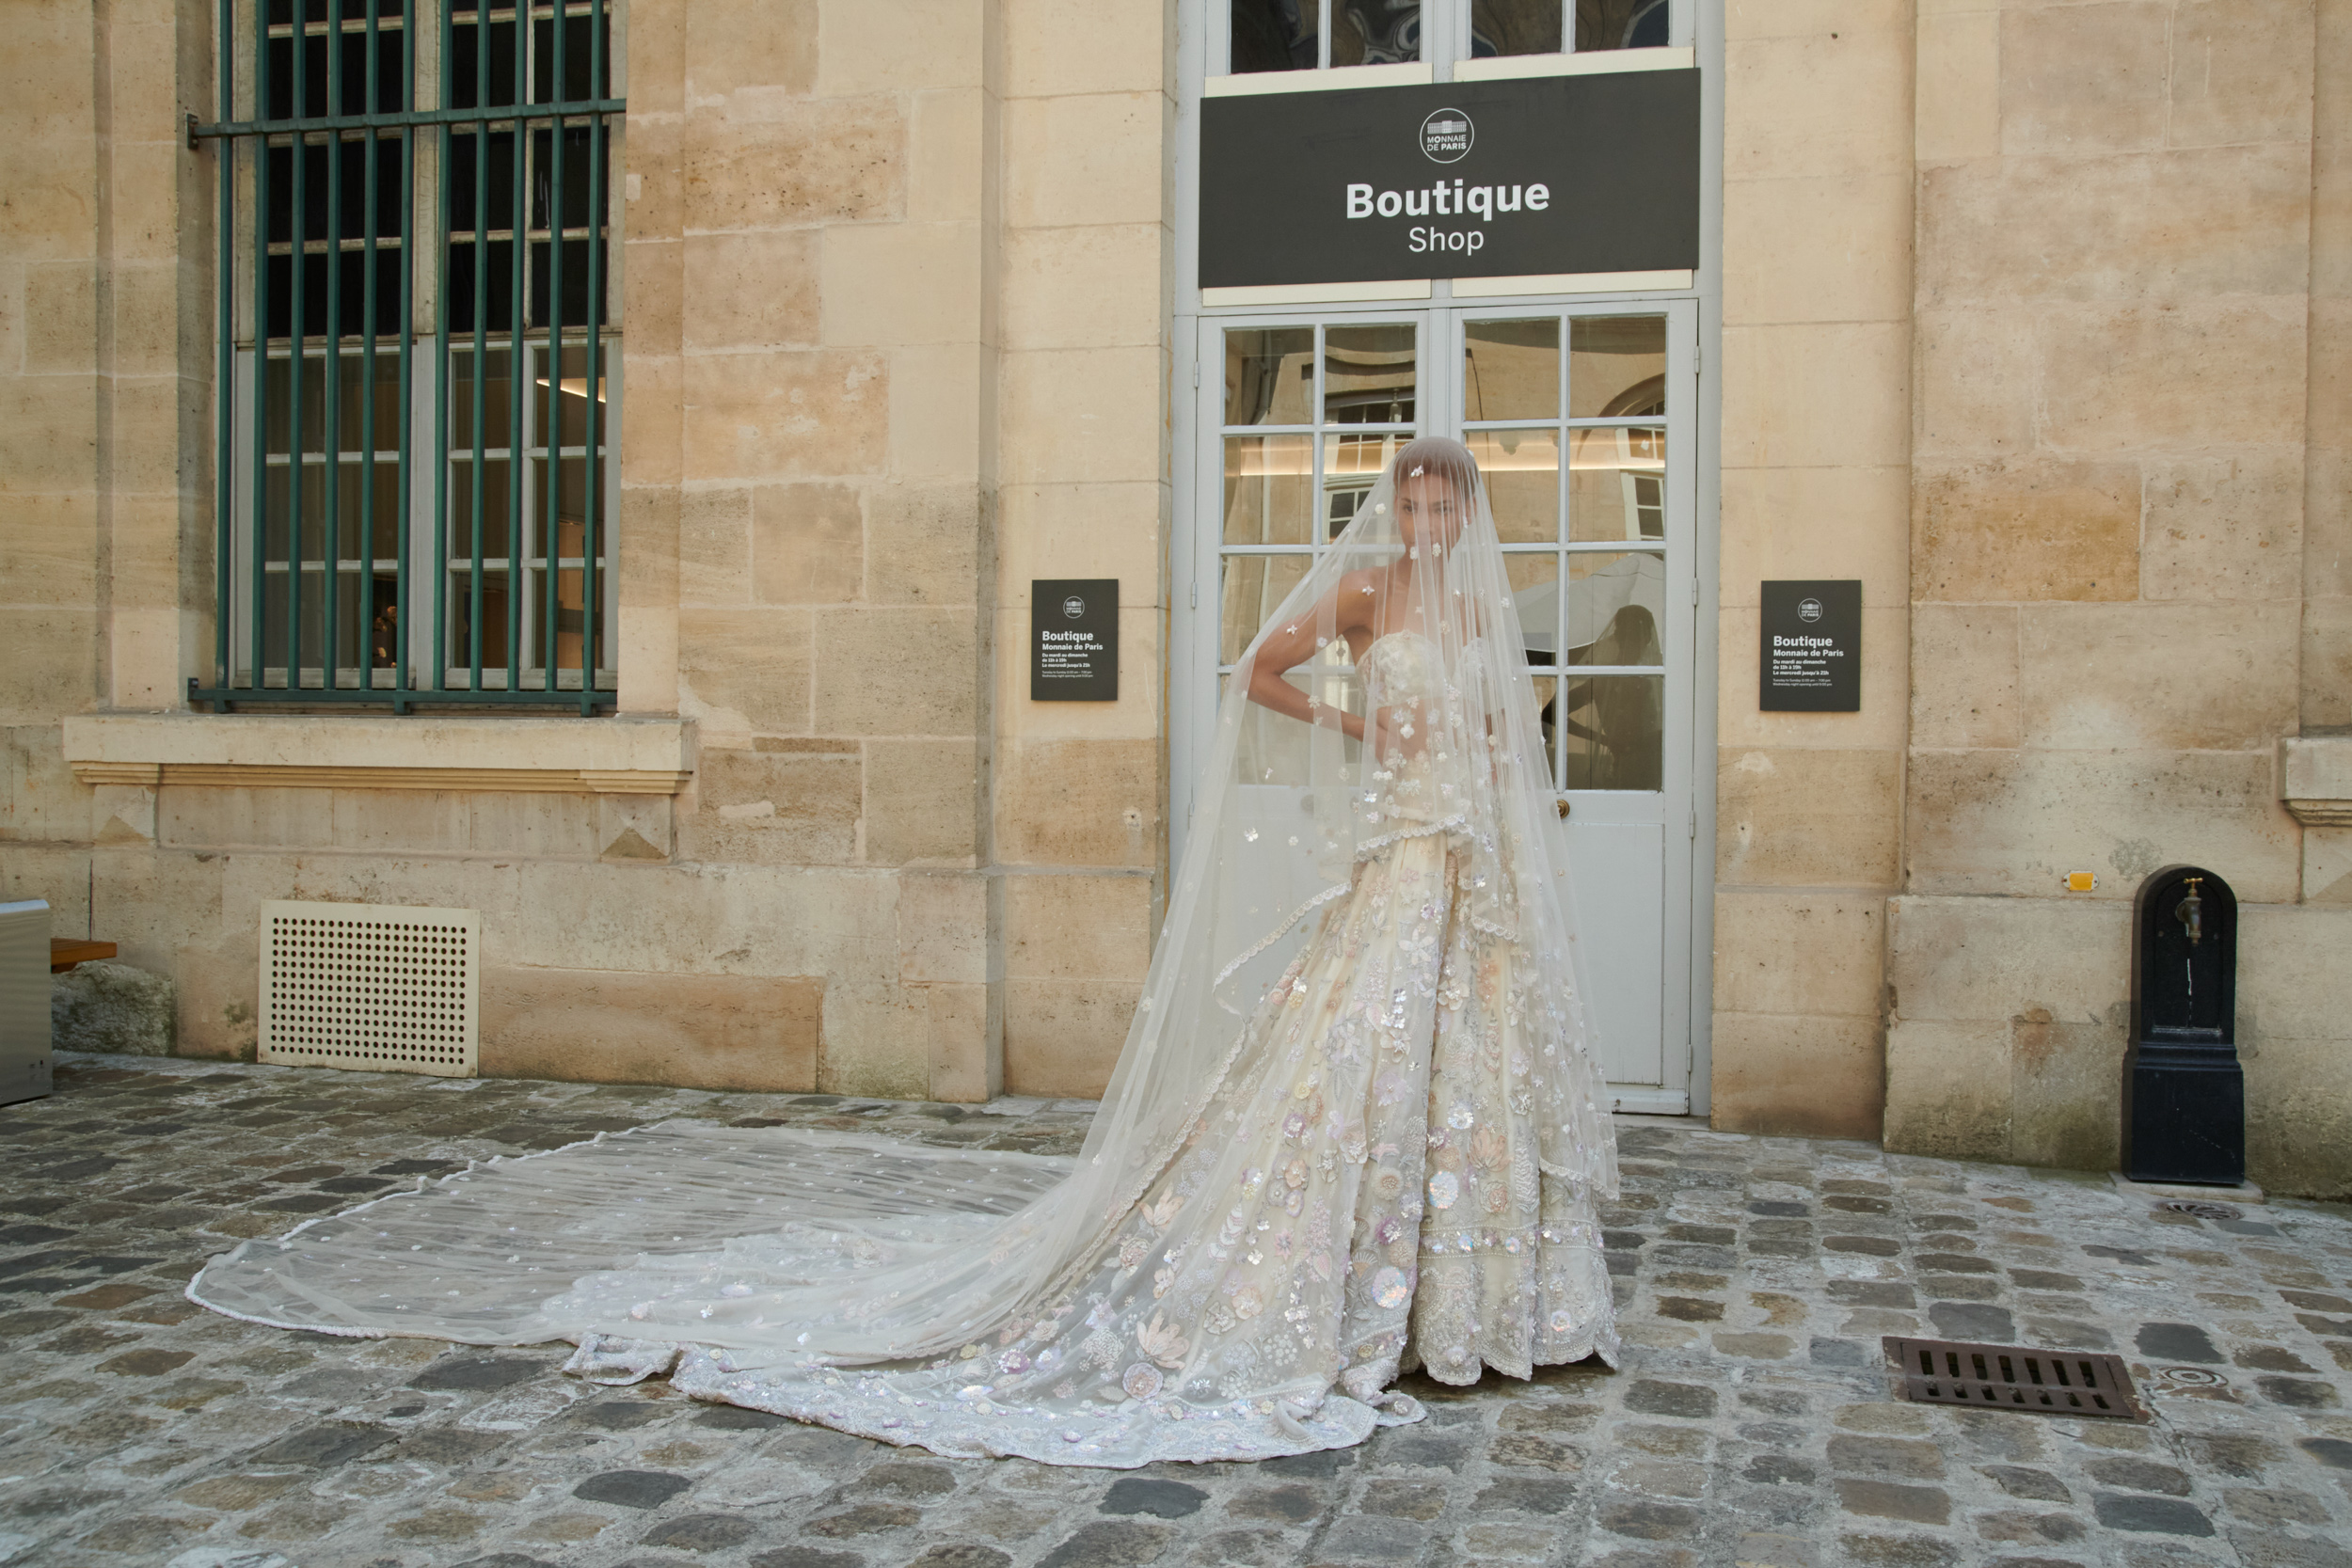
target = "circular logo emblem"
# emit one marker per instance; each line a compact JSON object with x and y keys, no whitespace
{"x":1073,"y":607}
{"x":1809,"y":610}
{"x":1446,"y":136}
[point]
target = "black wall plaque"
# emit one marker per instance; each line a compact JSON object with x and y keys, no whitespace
{"x":1074,"y":639}
{"x":1811,"y":655}
{"x":1549,"y":174}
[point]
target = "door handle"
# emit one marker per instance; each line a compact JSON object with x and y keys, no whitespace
{"x":1563,"y":804}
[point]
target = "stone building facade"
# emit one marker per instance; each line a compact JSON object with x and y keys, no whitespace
{"x":2029,"y":316}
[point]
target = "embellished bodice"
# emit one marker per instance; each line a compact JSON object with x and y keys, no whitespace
{"x":1406,"y":669}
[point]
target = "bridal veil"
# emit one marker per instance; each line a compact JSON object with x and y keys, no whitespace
{"x":977,"y":1288}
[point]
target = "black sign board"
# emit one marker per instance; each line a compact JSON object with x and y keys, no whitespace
{"x":1811,"y":656}
{"x":1074,"y":639}
{"x":1549,"y":174}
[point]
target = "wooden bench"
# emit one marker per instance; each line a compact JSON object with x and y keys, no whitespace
{"x":65,"y":952}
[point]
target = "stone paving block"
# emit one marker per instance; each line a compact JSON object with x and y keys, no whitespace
{"x":1751,"y":1423}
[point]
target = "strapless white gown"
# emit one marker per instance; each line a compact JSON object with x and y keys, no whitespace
{"x":1362,"y":1196}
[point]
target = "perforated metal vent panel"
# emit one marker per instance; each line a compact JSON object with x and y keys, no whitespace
{"x":373,"y":987}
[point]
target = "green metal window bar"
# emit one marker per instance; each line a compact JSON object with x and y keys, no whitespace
{"x":345,"y":576}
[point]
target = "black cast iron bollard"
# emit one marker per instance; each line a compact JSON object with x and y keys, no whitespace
{"x":2184,"y":1092}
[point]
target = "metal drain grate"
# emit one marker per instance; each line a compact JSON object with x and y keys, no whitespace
{"x":2013,"y":1377}
{"x":2204,"y":1211}
{"x":374,"y":987}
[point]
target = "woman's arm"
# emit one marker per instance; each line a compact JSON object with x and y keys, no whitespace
{"x":1288,"y":646}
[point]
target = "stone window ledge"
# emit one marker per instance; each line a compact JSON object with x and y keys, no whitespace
{"x":2316,"y":779}
{"x":567,"y":756}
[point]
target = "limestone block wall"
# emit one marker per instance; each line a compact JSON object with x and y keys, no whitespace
{"x":1815,"y":384}
{"x":2115,"y":318}
{"x":1076,"y":789}
{"x":894,"y":296}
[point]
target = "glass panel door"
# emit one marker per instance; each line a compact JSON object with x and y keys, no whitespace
{"x":1568,"y":411}
{"x":1579,"y":417}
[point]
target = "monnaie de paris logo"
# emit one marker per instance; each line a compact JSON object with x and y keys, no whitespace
{"x":1073,"y":607}
{"x":1809,"y":610}
{"x":1446,"y":136}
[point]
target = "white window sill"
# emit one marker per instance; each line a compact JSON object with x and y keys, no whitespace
{"x":570,"y":757}
{"x":2316,"y":779}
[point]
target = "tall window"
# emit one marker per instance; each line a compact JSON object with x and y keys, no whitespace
{"x":419,"y":359}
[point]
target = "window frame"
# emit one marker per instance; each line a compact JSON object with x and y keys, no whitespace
{"x":270,"y":558}
{"x":1445,"y":43}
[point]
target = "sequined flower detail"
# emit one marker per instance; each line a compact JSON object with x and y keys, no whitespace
{"x":1219,"y":1321}
{"x":1163,"y":1341}
{"x":1293,"y":1124}
{"x":1295,"y":1174}
{"x":1387,"y":1184}
{"x":1389,"y":1287}
{"x":1388,"y":1231}
{"x":1488,"y":1145}
{"x":1160,"y":1214}
{"x":1444,"y":1188}
{"x":1248,"y":1302}
{"x":1012,"y":1363}
{"x":1563,"y":1321}
{"x":1389,"y":1089}
{"x":1459,"y":1119}
{"x":1162,"y":1282}
{"x":1141,"y":1382}
{"x":1131,"y":1251}
{"x":1498,"y":1199}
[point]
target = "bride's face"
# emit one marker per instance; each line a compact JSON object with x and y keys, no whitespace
{"x":1430,"y":511}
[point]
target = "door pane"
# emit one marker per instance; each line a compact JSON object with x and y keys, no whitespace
{"x":1522,"y":471}
{"x":1616,"y":604}
{"x":1616,"y":366}
{"x":1511,"y":370}
{"x":1351,"y":466}
{"x":1622,"y":23}
{"x":1275,"y":34}
{"x":1369,"y":375}
{"x":1611,"y":729}
{"x":1513,"y":27}
{"x":1269,"y":489}
{"x":1254,"y":585}
{"x":1270,"y":377}
{"x":1617,"y":483}
{"x":1535,"y":594}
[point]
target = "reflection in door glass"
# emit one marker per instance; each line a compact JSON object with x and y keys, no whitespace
{"x":1616,"y":366}
{"x":1623,"y":23}
{"x":1616,"y":604}
{"x":1522,"y":473}
{"x":1270,"y":376}
{"x":1535,"y":596}
{"x":1511,"y":370}
{"x":1269,"y":489}
{"x":1276,"y":35}
{"x":1375,"y":32}
{"x":1369,"y":374}
{"x":1253,"y":586}
{"x":1617,"y":483}
{"x":1513,"y":27}
{"x":1352,"y":464}
{"x":1610,"y":731}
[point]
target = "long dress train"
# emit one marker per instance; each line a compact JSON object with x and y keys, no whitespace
{"x":1390,"y":1161}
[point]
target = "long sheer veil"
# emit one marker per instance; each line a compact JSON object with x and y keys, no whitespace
{"x":898,"y":1252}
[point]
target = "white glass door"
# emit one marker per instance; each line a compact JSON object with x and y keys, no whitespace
{"x":1579,"y":416}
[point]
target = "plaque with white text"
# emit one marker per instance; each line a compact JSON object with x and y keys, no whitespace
{"x":1074,"y":639}
{"x":1811,"y":656}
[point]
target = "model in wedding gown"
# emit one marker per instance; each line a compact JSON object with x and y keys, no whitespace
{"x":1355,"y":1129}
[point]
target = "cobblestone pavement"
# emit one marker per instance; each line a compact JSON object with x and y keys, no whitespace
{"x":1751,"y":1424}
